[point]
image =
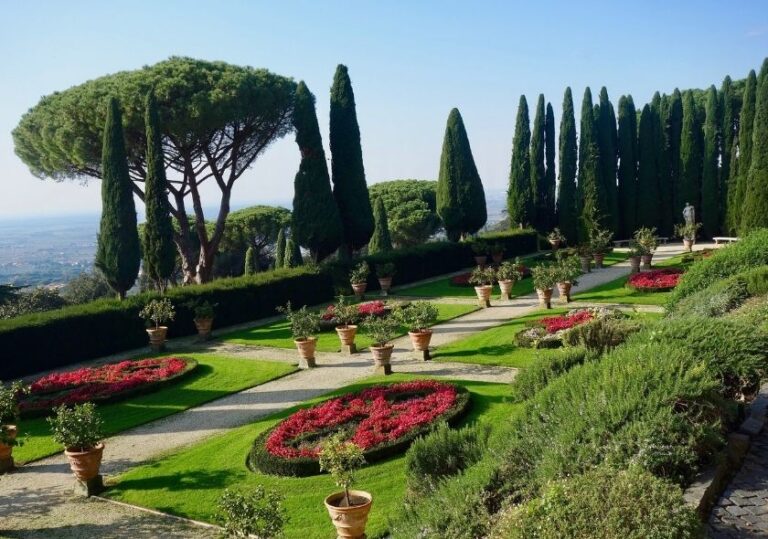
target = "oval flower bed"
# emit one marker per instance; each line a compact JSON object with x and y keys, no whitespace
{"x":112,"y":381}
{"x":658,"y":280}
{"x":383,"y":420}
{"x":548,"y":332}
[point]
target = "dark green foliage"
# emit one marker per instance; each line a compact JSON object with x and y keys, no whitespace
{"x":280,"y":249}
{"x":691,"y":154}
{"x":460,"y":194}
{"x":118,"y":252}
{"x":292,"y":257}
{"x":88,"y":286}
{"x":627,"y":174}
{"x":520,"y":204}
{"x":607,"y":139}
{"x":716,"y":300}
{"x":673,"y":126}
{"x":567,"y":216}
{"x":728,"y":122}
{"x":411,"y":209}
{"x":665,"y":219}
{"x":647,"y":171}
{"x":746,"y":125}
{"x":256,"y":227}
{"x":316,"y":224}
{"x":547,"y":196}
{"x":248,"y":264}
{"x":538,"y":170}
{"x":159,"y":250}
{"x":37,"y":300}
{"x":756,"y":199}
{"x":380,"y":241}
{"x":602,"y":334}
{"x":349,"y":187}
{"x":590,"y":187}
{"x":710,"y":188}
{"x":546,"y":368}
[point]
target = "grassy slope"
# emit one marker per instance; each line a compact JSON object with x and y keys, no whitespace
{"x":214,"y":377}
{"x":278,"y":334}
{"x":189,"y":482}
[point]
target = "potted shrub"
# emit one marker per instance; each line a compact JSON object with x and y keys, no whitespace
{"x":158,"y":311}
{"x":482,"y":278}
{"x":566,"y":270}
{"x":635,"y":253}
{"x":385,"y":272}
{"x":544,"y":280}
{"x":497,"y":253}
{"x":348,"y":509}
{"x":646,"y":239}
{"x":600,"y":243}
{"x":507,"y":275}
{"x":418,"y":316}
{"x":584,"y":252}
{"x":556,"y":239}
{"x":481,"y":252}
{"x":203,"y":312}
{"x":358,"y":277}
{"x":381,"y":329}
{"x":9,"y":417}
{"x":79,"y":430}
{"x":304,"y":325}
{"x":346,"y":314}
{"x":688,"y":232}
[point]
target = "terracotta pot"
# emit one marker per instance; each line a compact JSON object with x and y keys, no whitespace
{"x":599,"y":258}
{"x":647,"y":261}
{"x":480,"y":260}
{"x":382,"y":356}
{"x":349,"y":521}
{"x":385,"y":283}
{"x":306,"y":349}
{"x":506,"y":288}
{"x":204,"y":326}
{"x":564,"y":289}
{"x":497,"y":258}
{"x":85,"y":464}
{"x":7,"y":450}
{"x":157,"y":337}
{"x":688,"y":244}
{"x":555,"y":244}
{"x":346,"y":334}
{"x":634,"y":262}
{"x":545,"y":297}
{"x":484,"y":295}
{"x":586,"y":263}
{"x":420,"y":339}
{"x":359,"y":289}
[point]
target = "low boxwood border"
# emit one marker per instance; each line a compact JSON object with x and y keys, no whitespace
{"x":261,"y":461}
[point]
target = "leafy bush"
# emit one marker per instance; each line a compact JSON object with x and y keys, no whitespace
{"x":304,"y":323}
{"x":37,"y":300}
{"x":381,"y":329}
{"x":605,"y":503}
{"x":257,"y":513}
{"x":753,"y":313}
{"x":543,"y":370}
{"x":78,"y":428}
{"x":601,"y":334}
{"x":418,"y":315}
{"x":159,"y":311}
{"x":715,"y":300}
{"x":88,"y":286}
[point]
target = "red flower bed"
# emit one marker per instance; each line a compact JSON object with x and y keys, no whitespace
{"x":101,"y":383}
{"x":553,"y":324}
{"x":369,"y":308}
{"x":655,"y":280}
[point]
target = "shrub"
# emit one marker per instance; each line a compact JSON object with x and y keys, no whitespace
{"x":341,"y":458}
{"x":37,"y":300}
{"x":257,"y":513}
{"x":304,"y":323}
{"x":381,"y":329}
{"x":601,"y":334}
{"x":715,"y":300}
{"x":88,"y":286}
{"x":753,"y":313}
{"x":418,"y":315}
{"x":544,"y":369}
{"x":159,"y":311}
{"x":78,"y":428}
{"x":605,"y":503}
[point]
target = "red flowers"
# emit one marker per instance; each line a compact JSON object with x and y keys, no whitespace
{"x":99,"y":383}
{"x":370,"y":418}
{"x":553,"y":324}
{"x":375,"y":308}
{"x":655,"y":280}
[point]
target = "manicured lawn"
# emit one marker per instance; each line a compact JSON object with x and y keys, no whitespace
{"x":214,"y":377}
{"x":189,"y":482}
{"x":278,"y":334}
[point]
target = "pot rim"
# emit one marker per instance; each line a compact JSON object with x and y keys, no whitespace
{"x":307,"y":339}
{"x":158,"y":328}
{"x":345,"y":327}
{"x":424,"y":331}
{"x":384,"y":347}
{"x":352,"y":508}
{"x":98,"y":447}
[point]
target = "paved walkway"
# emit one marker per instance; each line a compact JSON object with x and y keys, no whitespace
{"x":35,"y":501}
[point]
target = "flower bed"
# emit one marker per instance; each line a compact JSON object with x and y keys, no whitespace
{"x":113,"y":381}
{"x":548,"y":332}
{"x":658,"y":280}
{"x":369,"y":308}
{"x":553,"y":324}
{"x":382,"y":420}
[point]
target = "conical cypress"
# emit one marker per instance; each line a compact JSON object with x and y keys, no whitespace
{"x":691,"y":155}
{"x":292,"y":257}
{"x":746,"y":124}
{"x":608,"y":141}
{"x":673,"y":126}
{"x":538,"y":171}
{"x":627,"y":188}
{"x":315,"y":220}
{"x":727,"y":135}
{"x":647,"y":171}
{"x":756,"y":200}
{"x":519,"y":195}
{"x":567,"y":216}
{"x":159,"y":249}
{"x":249,"y":263}
{"x":280,"y":250}
{"x":547,"y":205}
{"x":460,"y":194}
{"x":710,"y":194}
{"x":118,"y":252}
{"x":380,"y":241}
{"x":664,"y":218}
{"x":349,"y":187}
{"x":590,"y":188}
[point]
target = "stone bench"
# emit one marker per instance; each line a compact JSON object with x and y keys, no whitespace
{"x":724,"y":239}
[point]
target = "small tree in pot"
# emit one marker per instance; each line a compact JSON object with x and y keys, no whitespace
{"x":480,"y":248}
{"x":508,"y":274}
{"x":79,"y":430}
{"x":688,"y":232}
{"x":381,"y":329}
{"x":304,"y":325}
{"x":346,"y":314}
{"x":544,"y":279}
{"x":566,"y":270}
{"x":556,"y":239}
{"x":418,"y":317}
{"x":9,"y":417}
{"x":158,"y":311}
{"x":385,"y":272}
{"x":348,"y":509}
{"x":600,"y":244}
{"x":646,"y":239}
{"x":635,"y":254}
{"x":482,"y":278}
{"x":358,"y":277}
{"x":204,"y":312}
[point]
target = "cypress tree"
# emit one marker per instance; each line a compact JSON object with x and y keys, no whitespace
{"x":280,"y":250}
{"x":460,"y":194}
{"x":727,"y":136}
{"x":349,"y":187}
{"x":664,"y":217}
{"x":380,"y":241}
{"x":590,"y":188}
{"x":118,"y":252}
{"x":315,"y":220}
{"x":292,"y":257}
{"x":567,"y":216}
{"x":607,"y":142}
{"x":710,"y":194}
{"x":756,"y":201}
{"x":627,"y":145}
{"x":647,"y":171}
{"x":550,"y":176}
{"x":519,"y":195}
{"x":691,"y":155}
{"x":159,"y":249}
{"x":673,"y":126}
{"x":746,"y":123}
{"x":537,"y":168}
{"x":249,"y":265}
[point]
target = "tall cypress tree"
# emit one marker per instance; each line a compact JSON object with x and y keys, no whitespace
{"x":756,"y":200}
{"x":673,"y":126}
{"x":691,"y":155}
{"x":519,"y":195}
{"x":665,"y":219}
{"x":118,"y":252}
{"x":608,"y":141}
{"x":538,"y":170}
{"x":460,"y":194}
{"x":550,"y":176}
{"x":590,"y":186}
{"x":280,"y":249}
{"x":746,"y":124}
{"x":728,"y":115}
{"x":627,"y":144}
{"x":710,"y":193}
{"x":249,"y":265}
{"x":647,"y":171}
{"x":315,"y":220}
{"x":349,"y":187}
{"x":292,"y":257}
{"x":159,"y":249}
{"x":380,"y":241}
{"x":567,"y":212}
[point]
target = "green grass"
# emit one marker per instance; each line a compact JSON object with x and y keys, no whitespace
{"x":189,"y":482}
{"x":278,"y":334}
{"x":214,"y":377}
{"x":444,"y":288}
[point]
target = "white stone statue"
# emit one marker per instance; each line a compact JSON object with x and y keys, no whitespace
{"x":689,"y":214}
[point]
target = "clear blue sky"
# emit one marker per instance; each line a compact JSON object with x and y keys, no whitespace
{"x":410,"y":63}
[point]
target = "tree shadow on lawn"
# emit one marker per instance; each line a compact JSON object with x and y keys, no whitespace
{"x":180,"y":481}
{"x":493,"y":351}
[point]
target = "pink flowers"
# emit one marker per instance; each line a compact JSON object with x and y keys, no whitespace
{"x":369,"y":308}
{"x":370,"y":418}
{"x":553,"y":324}
{"x":655,"y":280}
